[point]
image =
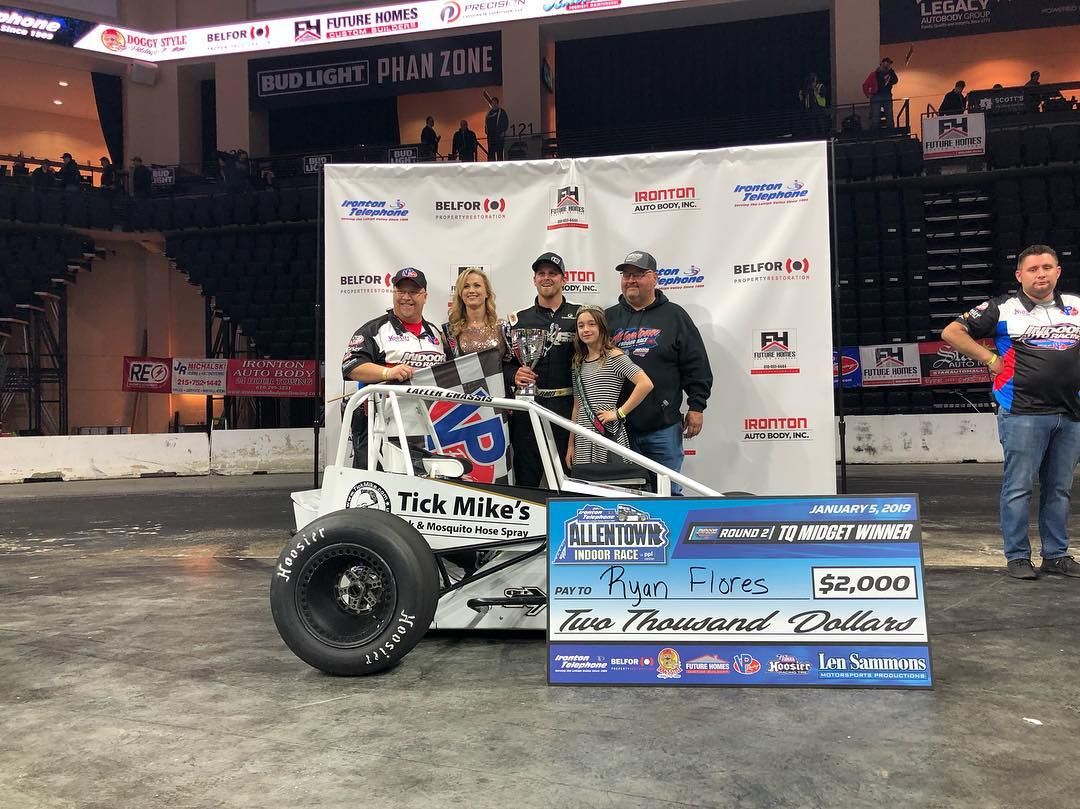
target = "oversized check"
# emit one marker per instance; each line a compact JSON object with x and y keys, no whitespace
{"x":824,"y":591}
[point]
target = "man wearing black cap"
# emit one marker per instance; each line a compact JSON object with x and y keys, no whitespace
{"x":392,"y":347}
{"x":552,"y":377}
{"x":69,"y":175}
{"x":661,"y":338}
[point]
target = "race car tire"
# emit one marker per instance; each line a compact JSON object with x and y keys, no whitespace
{"x":354,"y":591}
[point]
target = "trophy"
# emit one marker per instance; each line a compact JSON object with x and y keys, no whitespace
{"x":528,"y":347}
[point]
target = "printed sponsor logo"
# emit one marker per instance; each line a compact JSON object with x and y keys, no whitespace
{"x":669,"y":278}
{"x":368,"y":494}
{"x":526,"y":592}
{"x":568,"y":208}
{"x":372,"y":210}
{"x":860,"y":666}
{"x":631,"y":663}
{"x":578,"y":281}
{"x":1060,"y":337}
{"x":469,"y":432}
{"x":457,"y":209}
{"x":307,"y":30}
{"x":745,"y":664}
{"x":16,"y":22}
{"x":780,"y":269}
{"x":755,"y":195}
{"x":777,"y":429}
{"x":581,"y":663}
{"x":148,"y":372}
{"x":452,"y":12}
{"x":708,"y":664}
{"x":657,"y":200}
{"x":637,"y":342}
{"x":115,"y":40}
{"x":668,"y":665}
{"x":351,"y":26}
{"x":601,"y":535}
{"x":579,"y":5}
{"x":845,"y":364}
{"x":774,"y":352}
{"x":788,"y":664}
{"x":362,"y":284}
{"x":255,"y":34}
{"x":894,"y":364}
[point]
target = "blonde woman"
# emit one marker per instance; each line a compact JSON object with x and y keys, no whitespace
{"x":473,"y":325}
{"x":599,"y":371}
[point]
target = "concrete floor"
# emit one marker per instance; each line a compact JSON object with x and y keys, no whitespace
{"x":139,"y":667}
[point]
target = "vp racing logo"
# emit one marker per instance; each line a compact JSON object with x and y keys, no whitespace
{"x":599,"y":535}
{"x":471,"y":432}
{"x":773,"y":193}
{"x":1061,"y":337}
{"x":367,"y":210}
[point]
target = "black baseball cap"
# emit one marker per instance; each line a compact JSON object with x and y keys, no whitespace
{"x":554,"y":259}
{"x":65,"y":156}
{"x":410,"y":274}
{"x":638,"y":259}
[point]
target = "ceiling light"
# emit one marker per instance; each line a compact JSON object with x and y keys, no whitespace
{"x":62,"y":83}
{"x":57,"y":101}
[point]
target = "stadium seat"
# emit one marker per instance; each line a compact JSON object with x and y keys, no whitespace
{"x":1003,"y":148}
{"x":222,"y":206}
{"x":183,"y":212}
{"x":52,"y":207}
{"x":862,"y":161}
{"x":911,"y":158}
{"x":1065,"y":143}
{"x":886,"y":159}
{"x":289,"y":205}
{"x":163,"y":215}
{"x":243,"y":209}
{"x":1035,"y":146}
{"x":266,"y":206}
{"x":76,"y":211}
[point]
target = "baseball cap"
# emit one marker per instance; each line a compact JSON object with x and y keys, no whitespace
{"x":554,"y":259}
{"x":639,"y":259}
{"x":65,"y":156}
{"x":409,"y":274}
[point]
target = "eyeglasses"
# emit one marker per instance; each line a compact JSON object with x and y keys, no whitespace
{"x":634,"y":276}
{"x":409,"y":293}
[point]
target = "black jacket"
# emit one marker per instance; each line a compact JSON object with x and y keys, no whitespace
{"x":464,"y":145}
{"x":553,"y":371}
{"x":665,"y":343}
{"x":952,"y":103}
{"x":496,"y":122}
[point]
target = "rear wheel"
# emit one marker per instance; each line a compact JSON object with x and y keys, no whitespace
{"x":354,"y":591}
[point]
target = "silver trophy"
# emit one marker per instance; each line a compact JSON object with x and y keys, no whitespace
{"x":528,"y":347}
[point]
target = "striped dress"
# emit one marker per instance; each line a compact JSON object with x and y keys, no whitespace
{"x":602,"y":386}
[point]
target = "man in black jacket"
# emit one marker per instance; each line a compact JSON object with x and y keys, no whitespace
{"x":661,"y":338}
{"x":496,"y":122}
{"x":954,"y":102}
{"x":464,"y":145}
{"x":552,"y":375}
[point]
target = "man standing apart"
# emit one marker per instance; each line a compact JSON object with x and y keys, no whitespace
{"x":496,"y":122}
{"x":661,"y":338}
{"x":392,"y":347}
{"x":552,"y":376}
{"x":1035,"y":372}
{"x":878,"y":88}
{"x":464,"y":146}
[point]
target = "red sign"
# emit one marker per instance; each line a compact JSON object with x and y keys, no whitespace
{"x":944,"y":365}
{"x":148,"y":374}
{"x":271,"y":378}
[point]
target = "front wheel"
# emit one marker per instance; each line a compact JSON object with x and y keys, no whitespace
{"x":354,"y":591}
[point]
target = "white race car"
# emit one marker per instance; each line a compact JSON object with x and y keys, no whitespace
{"x":410,"y":542}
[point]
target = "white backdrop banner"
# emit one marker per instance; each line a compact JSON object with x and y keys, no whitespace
{"x":741,"y":237}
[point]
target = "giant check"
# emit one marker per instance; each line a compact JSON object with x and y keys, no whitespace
{"x":819,"y":591}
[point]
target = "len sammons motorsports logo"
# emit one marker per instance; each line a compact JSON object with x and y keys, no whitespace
{"x":599,"y":535}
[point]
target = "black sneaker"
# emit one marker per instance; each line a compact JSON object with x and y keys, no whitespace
{"x":1062,"y":566}
{"x":1023,"y":569}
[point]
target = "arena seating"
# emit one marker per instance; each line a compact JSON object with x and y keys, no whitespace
{"x":34,"y":264}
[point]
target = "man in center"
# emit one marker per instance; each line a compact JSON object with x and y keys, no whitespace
{"x":552,"y":376}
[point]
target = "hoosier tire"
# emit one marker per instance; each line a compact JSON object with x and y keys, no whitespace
{"x":354,"y":591}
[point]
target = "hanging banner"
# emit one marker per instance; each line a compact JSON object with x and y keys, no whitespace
{"x":765,"y":278}
{"x":944,"y":365}
{"x":419,"y":66}
{"x":147,"y":375}
{"x":739,"y":592}
{"x":271,"y":378}
{"x":893,"y":364}
{"x":847,"y":365}
{"x":908,"y":21}
{"x":36,"y":26}
{"x":953,"y":135}
{"x":199,"y":376}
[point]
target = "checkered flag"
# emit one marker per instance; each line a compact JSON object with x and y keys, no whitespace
{"x":466,"y":429}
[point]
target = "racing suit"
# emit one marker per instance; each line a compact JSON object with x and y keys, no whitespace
{"x":554,"y":385}
{"x":386,"y":341}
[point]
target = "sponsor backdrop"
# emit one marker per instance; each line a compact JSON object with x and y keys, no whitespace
{"x":213,"y":377}
{"x":954,"y":135}
{"x":740,"y":236}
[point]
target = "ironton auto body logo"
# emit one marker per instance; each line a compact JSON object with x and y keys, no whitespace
{"x":603,"y":535}
{"x":368,"y":210}
{"x":461,"y":209}
{"x":755,"y":195}
{"x":657,"y":200}
{"x":780,"y":269}
{"x":568,"y":208}
{"x":784,"y":428}
{"x":580,"y":281}
{"x":774,"y":352}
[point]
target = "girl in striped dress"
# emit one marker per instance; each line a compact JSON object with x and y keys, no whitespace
{"x":600,"y":370}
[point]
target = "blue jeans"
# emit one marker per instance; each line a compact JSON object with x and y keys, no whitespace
{"x":1046,"y":446}
{"x":881,"y":108}
{"x":663,"y":446}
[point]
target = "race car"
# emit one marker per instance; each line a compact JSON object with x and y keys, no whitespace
{"x":419,"y":537}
